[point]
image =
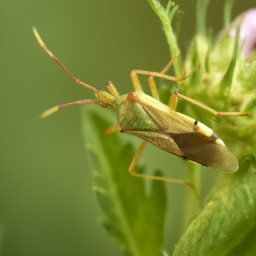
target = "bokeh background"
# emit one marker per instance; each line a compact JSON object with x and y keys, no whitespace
{"x":47,"y":206}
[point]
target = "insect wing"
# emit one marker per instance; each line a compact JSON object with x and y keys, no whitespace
{"x":169,"y":120}
{"x":179,"y":135}
{"x":162,"y":141}
{"x":208,"y":151}
{"x":202,"y":146}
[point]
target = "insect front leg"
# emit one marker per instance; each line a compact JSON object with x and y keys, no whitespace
{"x":167,"y":67}
{"x":152,"y":85}
{"x":161,"y":74}
{"x":152,"y":177}
{"x":136,"y":82}
{"x":138,"y":88}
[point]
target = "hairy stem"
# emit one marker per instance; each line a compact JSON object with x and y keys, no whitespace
{"x":166,"y":19}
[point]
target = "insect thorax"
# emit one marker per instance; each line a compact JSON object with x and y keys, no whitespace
{"x":131,"y":116}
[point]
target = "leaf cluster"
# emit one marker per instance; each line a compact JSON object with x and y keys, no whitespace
{"x":226,"y":224}
{"x":132,"y":216}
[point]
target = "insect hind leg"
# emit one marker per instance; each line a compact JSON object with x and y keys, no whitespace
{"x":152,"y":177}
{"x":137,"y":85}
{"x":213,"y":111}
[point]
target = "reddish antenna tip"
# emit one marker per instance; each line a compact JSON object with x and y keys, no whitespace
{"x":42,"y":44}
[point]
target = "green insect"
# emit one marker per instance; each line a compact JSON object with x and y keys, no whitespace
{"x":146,"y":117}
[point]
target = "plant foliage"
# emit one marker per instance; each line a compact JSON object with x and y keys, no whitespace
{"x":226,"y":224}
{"x":132,"y":216}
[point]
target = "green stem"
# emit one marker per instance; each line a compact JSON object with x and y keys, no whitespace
{"x":227,"y":12}
{"x":201,"y":36}
{"x":191,"y":202}
{"x":169,"y":33}
{"x":173,"y":46}
{"x":201,"y":8}
{"x":207,"y":57}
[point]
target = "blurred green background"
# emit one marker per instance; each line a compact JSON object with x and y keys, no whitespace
{"x":47,"y":206}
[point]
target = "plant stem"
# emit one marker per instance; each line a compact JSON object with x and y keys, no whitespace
{"x":201,"y":38}
{"x":227,"y":12}
{"x":191,"y":202}
{"x":169,"y":33}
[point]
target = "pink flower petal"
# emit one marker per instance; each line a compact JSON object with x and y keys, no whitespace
{"x":247,"y":34}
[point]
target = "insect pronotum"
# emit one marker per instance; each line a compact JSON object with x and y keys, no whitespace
{"x":158,"y":123}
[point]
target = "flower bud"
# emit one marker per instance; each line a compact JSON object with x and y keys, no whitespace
{"x":247,"y":36}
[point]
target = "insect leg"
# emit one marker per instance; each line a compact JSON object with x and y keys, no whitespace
{"x":136,"y":82}
{"x":136,"y":158}
{"x":172,"y":78}
{"x":112,"y":89}
{"x":134,"y":161}
{"x":151,"y":82}
{"x":173,"y":102}
{"x":208,"y":108}
{"x":111,"y":129}
{"x":137,"y":85}
{"x":152,"y":86}
{"x":166,"y":68}
{"x":56,"y":108}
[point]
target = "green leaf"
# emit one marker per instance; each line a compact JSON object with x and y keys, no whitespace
{"x":192,"y":84}
{"x":228,"y":77}
{"x":191,"y":202}
{"x":201,"y":36}
{"x":249,"y":77}
{"x":227,"y":12}
{"x":247,"y":247}
{"x":226,"y":220}
{"x":173,"y":12}
{"x":243,"y":87}
{"x":207,"y":57}
{"x":177,"y":22}
{"x":132,"y":216}
{"x":201,"y":11}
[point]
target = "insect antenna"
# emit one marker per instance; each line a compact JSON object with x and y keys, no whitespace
{"x":42,"y":44}
{"x":56,"y":108}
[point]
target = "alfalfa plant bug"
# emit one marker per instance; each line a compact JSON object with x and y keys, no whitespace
{"x":160,"y":124}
